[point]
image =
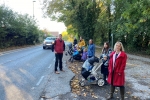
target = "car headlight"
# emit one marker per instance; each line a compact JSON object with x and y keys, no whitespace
{"x":44,"y":42}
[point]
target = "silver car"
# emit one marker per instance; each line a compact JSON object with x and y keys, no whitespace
{"x":48,"y":42}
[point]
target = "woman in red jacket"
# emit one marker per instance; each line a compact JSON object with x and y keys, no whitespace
{"x":117,"y":64}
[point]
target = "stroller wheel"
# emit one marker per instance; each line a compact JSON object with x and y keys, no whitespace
{"x":82,"y":83}
{"x":100,"y":82}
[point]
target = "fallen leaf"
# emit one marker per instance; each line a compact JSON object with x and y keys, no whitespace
{"x":84,"y":94}
{"x":95,"y":96}
{"x":128,"y":92}
{"x":135,"y":97}
{"x":78,"y":93}
{"x":92,"y":93}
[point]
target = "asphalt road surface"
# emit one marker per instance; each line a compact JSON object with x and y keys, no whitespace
{"x":23,"y":72}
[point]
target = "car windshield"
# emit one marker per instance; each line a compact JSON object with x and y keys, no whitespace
{"x":50,"y":38}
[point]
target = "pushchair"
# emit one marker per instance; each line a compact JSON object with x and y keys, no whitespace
{"x":91,"y":73}
{"x":74,"y":55}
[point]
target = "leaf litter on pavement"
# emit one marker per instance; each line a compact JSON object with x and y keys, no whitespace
{"x":94,"y":93}
{"x":88,"y":91}
{"x":76,"y":88}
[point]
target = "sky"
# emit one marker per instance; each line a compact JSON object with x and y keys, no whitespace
{"x":26,"y":6}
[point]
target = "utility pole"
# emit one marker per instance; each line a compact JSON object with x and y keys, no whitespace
{"x":33,"y":8}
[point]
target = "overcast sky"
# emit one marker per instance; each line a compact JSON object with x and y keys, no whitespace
{"x":26,"y":6}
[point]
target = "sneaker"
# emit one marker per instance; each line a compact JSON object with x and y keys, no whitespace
{"x":56,"y":72}
{"x":105,"y":83}
{"x":62,"y":70}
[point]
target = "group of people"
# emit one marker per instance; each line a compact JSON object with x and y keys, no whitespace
{"x":113,"y":67}
{"x":85,"y":52}
{"x":114,"y":61}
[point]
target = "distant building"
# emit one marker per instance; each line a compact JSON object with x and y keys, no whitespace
{"x":54,"y":33}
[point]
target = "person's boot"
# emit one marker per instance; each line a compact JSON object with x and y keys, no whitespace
{"x":122,"y":91}
{"x":112,"y":89}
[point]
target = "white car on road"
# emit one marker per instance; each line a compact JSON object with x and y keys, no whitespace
{"x":48,"y":42}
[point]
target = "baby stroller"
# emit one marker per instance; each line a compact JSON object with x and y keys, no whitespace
{"x":74,"y":55}
{"x":91,"y":73}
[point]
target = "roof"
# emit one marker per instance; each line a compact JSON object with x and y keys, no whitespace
{"x":54,"y":34}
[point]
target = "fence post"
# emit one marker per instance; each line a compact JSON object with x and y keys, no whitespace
{"x":112,"y":39}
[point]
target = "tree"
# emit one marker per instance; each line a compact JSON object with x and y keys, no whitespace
{"x":81,"y":14}
{"x":17,"y":29}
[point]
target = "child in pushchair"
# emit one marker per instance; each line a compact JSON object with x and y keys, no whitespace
{"x":75,"y":54}
{"x":90,"y":72}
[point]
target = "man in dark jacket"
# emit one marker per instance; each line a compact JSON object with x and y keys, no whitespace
{"x":75,"y":42}
{"x":58,"y":47}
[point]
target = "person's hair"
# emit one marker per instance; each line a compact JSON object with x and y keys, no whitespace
{"x":85,"y":49}
{"x":107,"y":43}
{"x":91,"y":40}
{"x":122,"y":48}
{"x":60,"y":34}
{"x":81,"y":38}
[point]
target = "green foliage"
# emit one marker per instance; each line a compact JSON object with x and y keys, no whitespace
{"x":128,"y":20}
{"x":81,"y":14}
{"x":131,"y":22}
{"x":17,"y":29}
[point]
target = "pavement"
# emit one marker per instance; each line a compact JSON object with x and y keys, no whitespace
{"x":28,"y":74}
{"x":58,"y":85}
{"x":137,"y":83}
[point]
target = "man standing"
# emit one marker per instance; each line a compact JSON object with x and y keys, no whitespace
{"x":58,"y":47}
{"x":75,"y":42}
{"x":91,"y":49}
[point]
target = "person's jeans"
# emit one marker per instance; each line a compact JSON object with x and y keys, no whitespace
{"x":89,"y":56}
{"x":58,"y":58}
{"x":104,"y":77}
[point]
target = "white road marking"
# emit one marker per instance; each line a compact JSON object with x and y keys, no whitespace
{"x":40,"y":81}
{"x":42,"y":99}
{"x":50,"y":65}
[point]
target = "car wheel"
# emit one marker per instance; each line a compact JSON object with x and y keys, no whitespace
{"x":43,"y":47}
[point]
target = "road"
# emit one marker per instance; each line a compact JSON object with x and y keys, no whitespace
{"x":23,"y":73}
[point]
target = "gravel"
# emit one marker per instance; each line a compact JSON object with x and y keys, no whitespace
{"x":138,"y":75}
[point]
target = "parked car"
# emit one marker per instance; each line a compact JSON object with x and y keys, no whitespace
{"x":47,"y":43}
{"x":68,"y":44}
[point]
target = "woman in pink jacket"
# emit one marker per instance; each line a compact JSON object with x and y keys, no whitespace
{"x":117,"y":64}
